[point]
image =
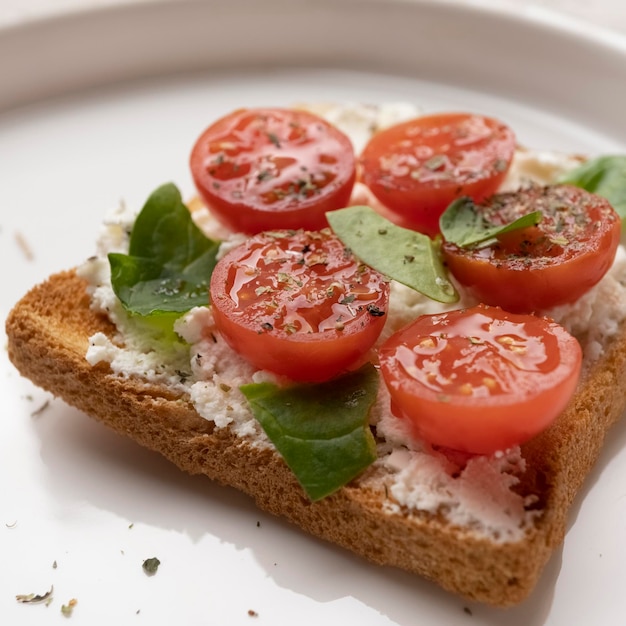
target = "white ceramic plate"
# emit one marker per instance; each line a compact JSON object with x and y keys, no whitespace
{"x":101,"y":106}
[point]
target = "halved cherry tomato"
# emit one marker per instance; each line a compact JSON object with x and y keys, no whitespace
{"x":266,"y":169}
{"x":536,"y":268}
{"x":480,"y":380}
{"x":298,"y":304}
{"x":417,"y":168}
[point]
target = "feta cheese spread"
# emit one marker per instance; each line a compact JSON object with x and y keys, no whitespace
{"x":475,"y":493}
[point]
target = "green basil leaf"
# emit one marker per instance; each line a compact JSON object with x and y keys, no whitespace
{"x":462,"y":225}
{"x":169,"y":262}
{"x":404,"y":255}
{"x":321,"y":430}
{"x":604,"y":176}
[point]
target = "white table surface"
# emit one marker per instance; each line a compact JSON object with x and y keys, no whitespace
{"x":610,"y":14}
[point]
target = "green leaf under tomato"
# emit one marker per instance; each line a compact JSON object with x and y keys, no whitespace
{"x":404,"y":255}
{"x":321,"y":430}
{"x":604,"y":176}
{"x":462,"y":225}
{"x":169,"y":263}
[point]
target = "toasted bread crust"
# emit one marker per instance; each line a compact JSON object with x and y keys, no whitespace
{"x":48,"y":333}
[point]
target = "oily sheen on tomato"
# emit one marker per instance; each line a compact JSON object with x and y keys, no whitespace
{"x":480,"y":380}
{"x":265,"y":169}
{"x":552,"y":263}
{"x":298,"y":304}
{"x":417,"y":168}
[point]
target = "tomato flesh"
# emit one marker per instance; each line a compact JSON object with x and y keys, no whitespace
{"x":417,"y":168}
{"x":540,"y":267}
{"x":480,"y":380}
{"x":298,"y":304}
{"x":265,"y":169}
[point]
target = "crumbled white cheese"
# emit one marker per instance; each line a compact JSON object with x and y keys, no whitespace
{"x":406,"y":304}
{"x":473,"y":492}
{"x":208,"y":224}
{"x":114,"y":236}
{"x":360,"y":121}
{"x":537,"y":167}
{"x":166,"y":366}
{"x":137,"y":350}
{"x":116,"y":229}
{"x":476,"y":495}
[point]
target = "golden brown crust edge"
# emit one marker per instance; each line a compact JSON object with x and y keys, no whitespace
{"x":48,"y":333}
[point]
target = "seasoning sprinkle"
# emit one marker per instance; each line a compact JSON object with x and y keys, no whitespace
{"x":68,"y":608}
{"x":24,"y":247}
{"x":41,"y":409}
{"x":374,"y":311}
{"x":33,"y":598}
{"x":150,"y":566}
{"x":274,"y":139}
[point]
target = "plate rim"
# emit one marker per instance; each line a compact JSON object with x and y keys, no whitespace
{"x":73,"y":73}
{"x":534,"y":13}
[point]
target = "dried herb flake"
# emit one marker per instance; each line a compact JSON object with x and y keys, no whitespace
{"x":68,"y":608}
{"x":150,"y":566}
{"x":33,"y":598}
{"x":41,"y":409}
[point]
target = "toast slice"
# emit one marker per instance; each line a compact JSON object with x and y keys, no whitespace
{"x":48,"y":335}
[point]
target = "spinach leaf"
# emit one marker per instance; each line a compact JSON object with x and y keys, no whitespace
{"x":462,"y":225}
{"x":404,"y":255}
{"x":321,"y":430}
{"x":605,"y":176}
{"x":169,"y":262}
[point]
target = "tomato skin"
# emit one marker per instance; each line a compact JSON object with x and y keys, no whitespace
{"x":298,"y":304}
{"x":267,"y":169}
{"x":480,"y":380}
{"x":537,"y":268}
{"x":417,"y":168}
